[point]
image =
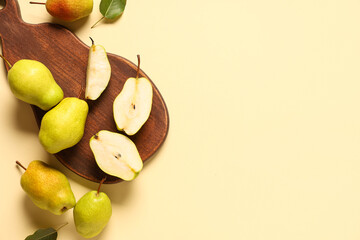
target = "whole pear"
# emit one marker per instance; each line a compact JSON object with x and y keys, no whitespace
{"x":48,"y":188}
{"x":92,"y":213}
{"x":32,"y":82}
{"x":69,"y":10}
{"x":63,"y":126}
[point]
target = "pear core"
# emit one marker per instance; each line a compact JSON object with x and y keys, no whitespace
{"x":116,"y":155}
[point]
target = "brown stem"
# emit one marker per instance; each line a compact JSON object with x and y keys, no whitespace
{"x":138,"y":68}
{"x":7,"y":62}
{"x":101,"y":182}
{"x":42,"y":3}
{"x":18,"y":163}
{"x":92,"y":41}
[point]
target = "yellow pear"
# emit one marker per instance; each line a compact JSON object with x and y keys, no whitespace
{"x":48,"y":188}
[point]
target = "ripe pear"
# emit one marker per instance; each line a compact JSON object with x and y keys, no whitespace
{"x":32,"y":82}
{"x":98,"y":72}
{"x":68,"y":10}
{"x":63,"y":126}
{"x":132,"y":107}
{"x":116,"y":155}
{"x":92,"y":213}
{"x":48,"y":188}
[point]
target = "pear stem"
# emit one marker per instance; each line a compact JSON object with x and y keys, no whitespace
{"x":18,"y":163}
{"x":101,"y":182}
{"x":7,"y":62}
{"x":92,"y":41}
{"x":97,"y":22}
{"x":138,"y":67}
{"x":42,"y":3}
{"x":62,"y":226}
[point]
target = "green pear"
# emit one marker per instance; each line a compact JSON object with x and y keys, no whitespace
{"x":98,"y":72}
{"x":32,"y":82}
{"x":48,"y":188}
{"x":68,"y":10}
{"x":132,"y":107}
{"x":63,"y":126}
{"x":92,"y":213}
{"x":116,"y":155}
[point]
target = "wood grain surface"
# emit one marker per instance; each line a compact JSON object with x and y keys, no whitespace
{"x":66,"y":56}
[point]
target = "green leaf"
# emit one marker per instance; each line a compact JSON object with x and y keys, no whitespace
{"x":43,"y":234}
{"x":111,"y":9}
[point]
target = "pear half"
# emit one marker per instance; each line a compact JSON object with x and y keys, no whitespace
{"x":98,"y":72}
{"x":132,"y":106}
{"x":116,"y":155}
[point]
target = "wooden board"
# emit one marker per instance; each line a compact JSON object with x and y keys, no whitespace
{"x":66,"y":56}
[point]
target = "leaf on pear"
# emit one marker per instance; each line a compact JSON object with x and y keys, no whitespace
{"x":111,"y":9}
{"x":43,"y":234}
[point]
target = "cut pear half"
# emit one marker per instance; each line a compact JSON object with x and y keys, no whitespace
{"x":98,"y":72}
{"x":132,"y":106}
{"x":116,"y":155}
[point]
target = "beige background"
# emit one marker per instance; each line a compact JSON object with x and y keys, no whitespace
{"x":264,"y":140}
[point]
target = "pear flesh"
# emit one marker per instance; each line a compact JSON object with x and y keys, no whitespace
{"x":92,"y":213}
{"x":69,"y":10}
{"x":116,"y":155}
{"x":98,"y":72}
{"x":132,"y":106}
{"x":48,"y":188}
{"x":32,"y":82}
{"x":63,"y":126}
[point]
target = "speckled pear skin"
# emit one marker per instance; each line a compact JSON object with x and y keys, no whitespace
{"x":48,"y":188}
{"x":69,"y":10}
{"x":92,"y":213}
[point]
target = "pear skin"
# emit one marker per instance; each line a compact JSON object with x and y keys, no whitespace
{"x":63,"y":126}
{"x":32,"y":82}
{"x":48,"y":188}
{"x":69,"y":10}
{"x":92,"y":213}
